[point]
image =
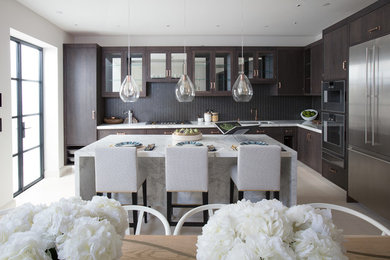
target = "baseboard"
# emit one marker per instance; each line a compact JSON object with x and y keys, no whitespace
{"x":9,"y":205}
{"x":67,"y":169}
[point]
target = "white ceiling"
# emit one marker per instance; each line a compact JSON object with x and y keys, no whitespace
{"x":203,"y":17}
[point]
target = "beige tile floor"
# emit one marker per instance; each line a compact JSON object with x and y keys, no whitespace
{"x":312,"y":187}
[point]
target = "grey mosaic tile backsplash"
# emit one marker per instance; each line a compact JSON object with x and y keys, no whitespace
{"x":161,"y":105}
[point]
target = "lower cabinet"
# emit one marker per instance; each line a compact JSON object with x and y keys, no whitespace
{"x":104,"y":133}
{"x":335,"y":174}
{"x":309,"y":148}
{"x":284,"y":135}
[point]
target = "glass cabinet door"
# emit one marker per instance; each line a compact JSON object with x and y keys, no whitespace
{"x":136,"y":69}
{"x":223,"y":72}
{"x":158,"y":65}
{"x":178,"y":61}
{"x":265,"y":62}
{"x":113,"y":77}
{"x":249,"y":65}
{"x":202,"y":71}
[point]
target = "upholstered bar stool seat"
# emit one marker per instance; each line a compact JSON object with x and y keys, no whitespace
{"x":116,"y":171}
{"x":186,"y":170}
{"x":257,"y":169}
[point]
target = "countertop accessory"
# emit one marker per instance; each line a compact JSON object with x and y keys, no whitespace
{"x":214,"y":116}
{"x":309,"y":114}
{"x":207,"y":117}
{"x":150,"y":147}
{"x":113,"y":120}
{"x":189,"y":142}
{"x":128,"y":144}
{"x":211,"y":148}
{"x":253,"y":142}
{"x":234,"y":147}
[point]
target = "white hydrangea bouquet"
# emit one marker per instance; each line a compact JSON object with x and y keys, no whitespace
{"x":269,"y":230}
{"x":68,"y":229}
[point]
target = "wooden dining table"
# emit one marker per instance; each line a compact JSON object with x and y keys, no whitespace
{"x":184,"y":247}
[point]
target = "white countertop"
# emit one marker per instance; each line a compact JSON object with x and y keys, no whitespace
{"x":277,"y":123}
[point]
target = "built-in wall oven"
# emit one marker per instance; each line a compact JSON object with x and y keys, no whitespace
{"x":333,"y":138}
{"x":333,"y":96}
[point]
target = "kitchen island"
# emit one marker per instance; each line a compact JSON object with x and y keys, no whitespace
{"x":153,"y":162}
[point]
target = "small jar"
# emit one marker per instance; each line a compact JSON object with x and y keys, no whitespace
{"x":207,"y":117}
{"x":214,"y":116}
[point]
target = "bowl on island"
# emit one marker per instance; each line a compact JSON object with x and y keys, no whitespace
{"x":186,"y":134}
{"x":309,"y":114}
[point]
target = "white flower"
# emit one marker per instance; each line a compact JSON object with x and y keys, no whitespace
{"x":58,"y":218}
{"x":91,"y":239}
{"x":111,"y":210}
{"x":269,"y":230}
{"x":24,"y":245}
{"x":18,"y":220}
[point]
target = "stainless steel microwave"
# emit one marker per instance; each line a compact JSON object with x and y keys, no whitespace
{"x":333,"y":96}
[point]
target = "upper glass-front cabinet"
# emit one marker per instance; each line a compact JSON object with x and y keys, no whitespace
{"x":258,"y":65}
{"x":166,"y":65}
{"x":212,"y":71}
{"x":115,"y":62}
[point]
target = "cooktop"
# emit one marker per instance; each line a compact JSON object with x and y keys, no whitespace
{"x":184,"y":122}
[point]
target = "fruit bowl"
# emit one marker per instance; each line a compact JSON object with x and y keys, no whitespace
{"x":186,"y":134}
{"x":309,"y":114}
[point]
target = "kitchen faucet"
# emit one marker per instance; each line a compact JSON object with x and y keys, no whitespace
{"x":254,"y":110}
{"x":129,"y":116}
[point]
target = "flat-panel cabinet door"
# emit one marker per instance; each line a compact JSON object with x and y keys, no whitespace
{"x":316,"y":68}
{"x":290,"y":72}
{"x":336,"y":46}
{"x":80,"y":88}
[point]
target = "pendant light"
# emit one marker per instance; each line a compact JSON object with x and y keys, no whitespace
{"x":129,"y":91}
{"x":242,"y":88}
{"x":185,"y":89}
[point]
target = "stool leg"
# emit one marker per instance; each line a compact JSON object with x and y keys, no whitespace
{"x":169,"y":208}
{"x":144,"y":199}
{"x":276,"y":195}
{"x":135,"y":213}
{"x":205,"y":198}
{"x":99,"y":193}
{"x":267,"y":195}
{"x":240,"y":195}
{"x":109,"y":195}
{"x":231,"y":190}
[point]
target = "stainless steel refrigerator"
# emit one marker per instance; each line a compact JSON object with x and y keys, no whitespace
{"x":369,"y":125}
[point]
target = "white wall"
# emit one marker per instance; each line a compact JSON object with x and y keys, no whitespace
{"x":28,"y":24}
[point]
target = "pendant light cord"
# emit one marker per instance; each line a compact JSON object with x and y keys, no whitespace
{"x":185,"y":33}
{"x":128,"y":37}
{"x":242,"y":36}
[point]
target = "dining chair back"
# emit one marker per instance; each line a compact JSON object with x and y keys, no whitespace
{"x":210,"y":208}
{"x":385,"y":231}
{"x":186,"y":170}
{"x":257,"y":169}
{"x":142,"y":210}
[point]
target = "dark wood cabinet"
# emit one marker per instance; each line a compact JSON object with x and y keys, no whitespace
{"x":284,"y":135}
{"x":210,"y":131}
{"x":114,"y":69}
{"x":259,"y":64}
{"x":166,"y":64}
{"x":335,"y":174}
{"x":370,"y":26}
{"x":103,"y":133}
{"x":336,"y":48}
{"x":212,"y":71}
{"x":314,"y":63}
{"x":81,"y":95}
{"x":290,"y":64}
{"x":309,"y":148}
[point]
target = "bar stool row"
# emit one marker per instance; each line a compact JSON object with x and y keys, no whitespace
{"x":186,"y":170}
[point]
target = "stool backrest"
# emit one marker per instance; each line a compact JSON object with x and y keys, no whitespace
{"x":116,"y":169}
{"x":258,"y":167}
{"x":186,"y":169}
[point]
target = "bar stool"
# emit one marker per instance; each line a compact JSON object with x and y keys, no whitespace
{"x":257,"y":169}
{"x":186,"y":170}
{"x":116,"y":172}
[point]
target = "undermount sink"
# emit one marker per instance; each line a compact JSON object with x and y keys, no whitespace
{"x":256,"y":122}
{"x":266,"y":123}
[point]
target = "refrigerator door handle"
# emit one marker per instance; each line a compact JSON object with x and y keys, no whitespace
{"x":373,"y":96}
{"x":367,"y":99}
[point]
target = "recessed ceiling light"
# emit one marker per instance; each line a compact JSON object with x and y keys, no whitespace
{"x":168,"y":25}
{"x":295,"y":22}
{"x":59,"y":12}
{"x":326,"y":4}
{"x":217,"y":25}
{"x":266,"y":26}
{"x":75,"y":24}
{"x":298,"y":5}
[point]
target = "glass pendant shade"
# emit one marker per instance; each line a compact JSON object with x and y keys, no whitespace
{"x":185,"y":89}
{"x":242,"y":89}
{"x":129,"y":91}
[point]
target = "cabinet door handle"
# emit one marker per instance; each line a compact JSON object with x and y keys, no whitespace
{"x":167,"y":132}
{"x":169,"y":73}
{"x":377,"y":28}
{"x":260,"y":131}
{"x":93,"y":114}
{"x":308,"y":137}
{"x":345,"y":65}
{"x":255,"y":73}
{"x":120,"y":133}
{"x":166,"y":73}
{"x":280,"y":84}
{"x":214,"y":132}
{"x":331,"y":170}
